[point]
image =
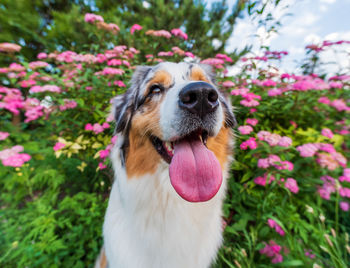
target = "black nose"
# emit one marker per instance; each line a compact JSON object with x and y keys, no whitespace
{"x":199,"y":98}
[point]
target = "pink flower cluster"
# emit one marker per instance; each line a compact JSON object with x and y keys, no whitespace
{"x":3,"y":135}
{"x":327,"y":188}
{"x":308,"y":253}
{"x":273,"y":251}
{"x":45,"y":88}
{"x":33,"y":109}
{"x":179,"y":33}
{"x":331,"y":159}
{"x":345,"y":176}
{"x":223,"y":57}
{"x":262,"y":180}
{"x":58,"y":146}
{"x":344,"y":206}
{"x":166,"y":54}
{"x":339,"y":104}
{"x":228,"y":84}
{"x":250,"y":143}
{"x":103,"y":154}
{"x":252,"y":121}
{"x":292,"y":185}
{"x":68,"y":104}
{"x":37,"y":64}
{"x":13,"y":158}
{"x":160,"y":33}
{"x":274,"y":139}
{"x":12,"y":100}
{"x":215,"y":62}
{"x":96,"y":128}
{"x":274,"y":225}
{"x":327,"y":133}
{"x":135,"y":27}
{"x":91,"y":18}
{"x":274,"y":161}
{"x":9,"y":47}
{"x":110,"y":71}
{"x":245,"y":129}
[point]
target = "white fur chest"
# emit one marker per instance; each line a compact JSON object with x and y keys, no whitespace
{"x":148,"y":225}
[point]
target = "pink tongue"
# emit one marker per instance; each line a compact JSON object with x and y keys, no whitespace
{"x":194,"y":171}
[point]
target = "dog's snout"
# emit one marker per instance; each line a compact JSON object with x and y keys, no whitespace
{"x":199,"y":98}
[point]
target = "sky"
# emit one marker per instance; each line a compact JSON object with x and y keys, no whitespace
{"x":311,"y":21}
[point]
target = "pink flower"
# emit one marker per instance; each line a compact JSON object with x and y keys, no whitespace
{"x":251,"y":143}
{"x":327,"y":133}
{"x":228,"y":84}
{"x":344,"y":206}
{"x":9,"y":47}
{"x":223,"y":57}
{"x":114,"y":139}
{"x":324,"y":100}
{"x":273,"y":224}
{"x":104,"y":153}
{"x":42,"y":55}
{"x":97,"y":128}
{"x":3,"y":135}
{"x":165,"y":54}
{"x":273,"y":139}
{"x":308,"y":149}
{"x":105,"y":125}
{"x":119,"y":83}
{"x":114,"y":62}
{"x":285,"y":141}
{"x":162,"y":33}
{"x":252,"y":121}
{"x":16,"y":160}
{"x":135,"y":27}
{"x":249,"y":103}
{"x":112,"y":71}
{"x":263,"y":163}
{"x":90,"y":18}
{"x":268,"y":83}
{"x":245,"y":129}
{"x":58,"y":146}
{"x":102,"y":166}
{"x":272,"y":250}
{"x":88,"y":127}
{"x":179,"y":33}
{"x":37,"y":64}
{"x":292,"y":185}
{"x":274,"y":92}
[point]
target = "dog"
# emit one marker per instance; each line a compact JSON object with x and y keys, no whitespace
{"x":171,"y":160}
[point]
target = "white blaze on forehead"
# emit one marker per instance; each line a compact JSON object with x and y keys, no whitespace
{"x":170,"y":112}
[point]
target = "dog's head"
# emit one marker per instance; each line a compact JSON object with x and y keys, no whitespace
{"x":174,"y":116}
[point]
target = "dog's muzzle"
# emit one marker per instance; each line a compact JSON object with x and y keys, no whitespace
{"x":199,"y":98}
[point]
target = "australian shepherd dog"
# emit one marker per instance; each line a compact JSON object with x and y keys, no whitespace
{"x":171,"y":161}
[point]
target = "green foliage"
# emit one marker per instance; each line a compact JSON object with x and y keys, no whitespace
{"x":52,"y":206}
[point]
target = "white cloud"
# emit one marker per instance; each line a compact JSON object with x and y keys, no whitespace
{"x":312,"y":39}
{"x":323,"y":8}
{"x":328,"y":1}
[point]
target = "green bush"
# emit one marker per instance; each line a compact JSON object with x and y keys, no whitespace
{"x":288,"y":196}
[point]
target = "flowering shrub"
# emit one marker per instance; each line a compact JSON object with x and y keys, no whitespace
{"x":288,"y":198}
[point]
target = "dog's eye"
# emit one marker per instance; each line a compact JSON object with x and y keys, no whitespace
{"x":155,"y":89}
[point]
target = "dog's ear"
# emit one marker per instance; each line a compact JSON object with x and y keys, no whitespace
{"x":124,"y":105}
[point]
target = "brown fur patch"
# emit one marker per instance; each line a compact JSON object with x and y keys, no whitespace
{"x":161,"y":77}
{"x":142,"y":158}
{"x":220,"y":145}
{"x":102,"y":260}
{"x":198,"y":75}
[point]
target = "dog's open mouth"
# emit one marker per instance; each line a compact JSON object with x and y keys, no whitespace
{"x":195,"y":172}
{"x":166,"y":148}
